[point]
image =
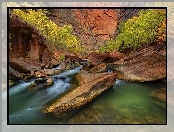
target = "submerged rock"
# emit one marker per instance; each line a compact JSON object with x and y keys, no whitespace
{"x":91,"y":88}
{"x":159,"y":94}
{"x":40,"y":80}
{"x":33,"y":86}
{"x":160,"y":104}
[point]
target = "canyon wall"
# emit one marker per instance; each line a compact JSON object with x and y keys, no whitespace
{"x":93,"y":26}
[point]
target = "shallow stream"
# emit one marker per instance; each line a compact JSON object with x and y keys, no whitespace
{"x":124,"y":103}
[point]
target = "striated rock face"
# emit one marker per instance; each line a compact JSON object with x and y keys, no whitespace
{"x":24,"y":65}
{"x":83,"y":94}
{"x":93,"y":26}
{"x":100,"y":68}
{"x":24,"y":40}
{"x":125,"y":14}
{"x":14,"y":74}
{"x":98,"y":25}
{"x":36,"y":47}
{"x":98,"y":58}
{"x":145,"y":65}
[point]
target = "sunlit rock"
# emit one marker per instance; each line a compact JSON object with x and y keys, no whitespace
{"x":93,"y":85}
{"x":144,"y":65}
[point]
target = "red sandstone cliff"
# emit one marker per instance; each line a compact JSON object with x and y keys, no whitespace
{"x":92,"y":26}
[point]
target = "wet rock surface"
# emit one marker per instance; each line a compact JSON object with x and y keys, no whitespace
{"x":26,"y":68}
{"x":49,"y":82}
{"x":46,"y":72}
{"x":41,"y":83}
{"x":83,"y":94}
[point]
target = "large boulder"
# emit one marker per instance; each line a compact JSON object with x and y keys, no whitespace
{"x":99,"y":68}
{"x":96,"y":58}
{"x":24,"y":65}
{"x":13,"y":74}
{"x":93,"y":85}
{"x":144,"y":65}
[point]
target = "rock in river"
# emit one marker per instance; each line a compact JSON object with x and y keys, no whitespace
{"x":91,"y":88}
{"x":49,"y":82}
{"x":144,"y":65}
{"x":159,"y":94}
{"x":41,"y":83}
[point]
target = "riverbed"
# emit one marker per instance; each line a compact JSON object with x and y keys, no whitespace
{"x":124,"y":103}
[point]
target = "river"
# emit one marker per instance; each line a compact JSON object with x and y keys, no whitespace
{"x":124,"y":103}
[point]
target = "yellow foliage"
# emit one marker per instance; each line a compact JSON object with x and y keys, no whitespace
{"x":161,"y":33}
{"x":61,"y":36}
{"x":139,"y":31}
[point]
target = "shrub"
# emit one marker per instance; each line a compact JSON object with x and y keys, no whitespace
{"x":138,"y":31}
{"x":62,"y":57}
{"x":60,"y":36}
{"x":161,"y":33}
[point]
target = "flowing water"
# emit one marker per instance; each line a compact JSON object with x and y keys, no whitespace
{"x":124,"y":103}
